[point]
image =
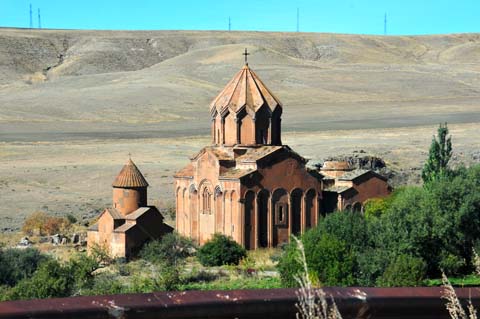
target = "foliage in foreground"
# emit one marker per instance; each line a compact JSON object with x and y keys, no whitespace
{"x":221,"y":250}
{"x":54,"y":279}
{"x":421,"y":231}
{"x":18,"y":264}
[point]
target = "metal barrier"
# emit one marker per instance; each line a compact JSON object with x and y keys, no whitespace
{"x":269,"y":303}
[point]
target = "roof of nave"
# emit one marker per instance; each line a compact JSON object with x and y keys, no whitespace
{"x":240,"y":154}
{"x":256,"y":153}
{"x":187,"y":171}
{"x":245,"y":90}
{"x":140,"y":211}
{"x":338,"y":189}
{"x":130,"y":176}
{"x":234,"y":173}
{"x":351,"y":176}
{"x":114,"y":213}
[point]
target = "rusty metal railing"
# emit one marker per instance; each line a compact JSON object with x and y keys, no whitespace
{"x":269,"y":303}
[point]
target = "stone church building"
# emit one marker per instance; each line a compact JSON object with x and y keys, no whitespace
{"x":123,"y":228}
{"x":247,"y":184}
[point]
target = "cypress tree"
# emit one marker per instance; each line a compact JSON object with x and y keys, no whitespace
{"x":439,"y":155}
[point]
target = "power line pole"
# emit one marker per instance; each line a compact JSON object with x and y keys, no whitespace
{"x":31,"y":17}
{"x":229,"y":24}
{"x":298,"y":19}
{"x":39,"y":19}
{"x":385,"y":25}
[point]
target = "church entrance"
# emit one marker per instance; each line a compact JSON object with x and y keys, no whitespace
{"x":280,"y":217}
{"x":249,"y":224}
{"x":262,"y":204}
{"x":296,"y":200}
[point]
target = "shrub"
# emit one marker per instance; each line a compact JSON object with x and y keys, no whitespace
{"x":171,"y":250}
{"x":221,"y":250}
{"x":81,"y":268}
{"x":17,"y":264}
{"x":403,"y":271}
{"x":72,"y":219}
{"x":328,"y":259}
{"x":105,"y":284}
{"x":41,"y":223}
{"x":375,"y":207}
{"x":55,"y":225}
{"x":451,"y":264}
{"x":34,"y":223}
{"x":49,"y":281}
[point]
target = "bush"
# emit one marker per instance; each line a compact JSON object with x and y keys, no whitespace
{"x":221,"y":250}
{"x":105,"y":284}
{"x":404,"y":271}
{"x":34,"y":223}
{"x":55,"y":225}
{"x":49,"y":281}
{"x":40,"y":223}
{"x":451,"y":264}
{"x":81,"y":267}
{"x":72,"y":219}
{"x":17,"y":264}
{"x":375,"y":207}
{"x":171,"y":250}
{"x":328,"y":259}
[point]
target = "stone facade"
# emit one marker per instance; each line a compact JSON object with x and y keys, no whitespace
{"x":246,"y":185}
{"x":249,"y":186}
{"x":124,"y":228}
{"x":349,"y":189}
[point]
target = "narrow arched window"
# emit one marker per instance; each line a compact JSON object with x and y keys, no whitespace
{"x":206,"y":200}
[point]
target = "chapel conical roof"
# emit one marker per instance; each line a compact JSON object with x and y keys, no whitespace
{"x":130,"y":176}
{"x":245,"y":90}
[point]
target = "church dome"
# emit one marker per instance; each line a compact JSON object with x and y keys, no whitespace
{"x":130,"y":176}
{"x":245,"y":90}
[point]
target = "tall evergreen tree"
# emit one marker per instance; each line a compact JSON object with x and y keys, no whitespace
{"x":439,"y":155}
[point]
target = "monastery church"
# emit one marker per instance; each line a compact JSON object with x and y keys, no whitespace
{"x":246,"y":184}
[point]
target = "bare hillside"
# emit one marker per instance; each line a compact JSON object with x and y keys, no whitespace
{"x":79,"y":82}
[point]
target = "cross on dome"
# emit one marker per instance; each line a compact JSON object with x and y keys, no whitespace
{"x":246,"y":54}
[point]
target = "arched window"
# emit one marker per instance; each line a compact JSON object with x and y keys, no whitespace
{"x":206,"y":201}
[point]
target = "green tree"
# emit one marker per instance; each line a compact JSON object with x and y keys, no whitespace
{"x":50,"y":280}
{"x":221,"y":250}
{"x":171,"y":250}
{"x":403,"y":271}
{"x":17,"y":264}
{"x":439,"y":155}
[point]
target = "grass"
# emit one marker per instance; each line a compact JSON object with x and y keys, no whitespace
{"x":235,"y":283}
{"x":467,"y":281}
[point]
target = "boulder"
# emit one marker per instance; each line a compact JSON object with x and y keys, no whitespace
{"x":25,"y":242}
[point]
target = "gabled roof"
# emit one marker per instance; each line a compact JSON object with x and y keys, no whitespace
{"x":125,"y":227}
{"x":114,"y":213}
{"x":353,"y":175}
{"x":187,"y":171}
{"x":245,"y":90}
{"x":130,"y":176}
{"x":140,"y":211}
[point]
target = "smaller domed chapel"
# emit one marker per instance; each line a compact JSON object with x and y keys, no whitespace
{"x":246,"y":184}
{"x":123,"y":228}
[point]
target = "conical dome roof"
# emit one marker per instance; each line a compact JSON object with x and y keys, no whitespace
{"x":244,"y":90}
{"x":130,"y":176}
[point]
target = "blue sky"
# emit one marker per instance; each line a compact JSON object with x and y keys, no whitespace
{"x":338,"y":16}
